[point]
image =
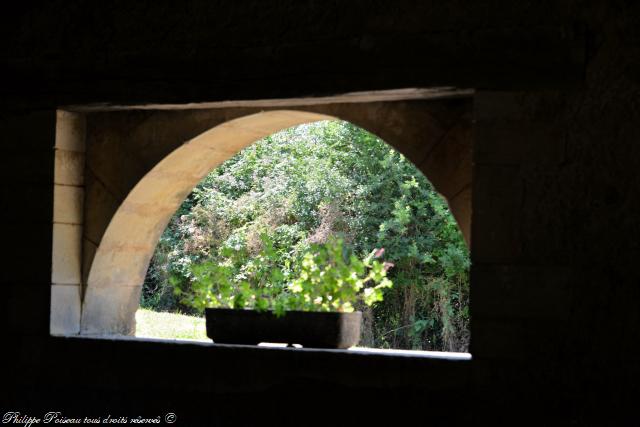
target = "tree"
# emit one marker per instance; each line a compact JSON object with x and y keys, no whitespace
{"x":312,"y":182}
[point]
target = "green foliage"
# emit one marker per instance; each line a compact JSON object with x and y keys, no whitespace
{"x":328,"y":278}
{"x":268,"y":208}
{"x":333,"y":279}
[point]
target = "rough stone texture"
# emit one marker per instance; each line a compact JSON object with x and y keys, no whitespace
{"x":70,"y":131}
{"x":69,"y":167}
{"x":68,"y":204}
{"x":110,"y":309}
{"x":448,"y":161}
{"x":555,"y":199}
{"x":461,"y":206}
{"x":124,"y":252}
{"x":99,"y":208}
{"x":88,"y":252}
{"x":162,"y":168}
{"x":68,"y":213}
{"x":65,"y":309}
{"x":67,"y":254}
{"x":124,"y":146}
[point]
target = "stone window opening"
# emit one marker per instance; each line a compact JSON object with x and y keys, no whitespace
{"x":106,"y":225}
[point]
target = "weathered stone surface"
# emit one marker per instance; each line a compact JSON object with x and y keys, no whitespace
{"x":118,"y":266}
{"x":127,"y":244}
{"x":69,"y":168}
{"x":88,"y":252}
{"x":578,"y":210}
{"x":110,"y":310}
{"x":100,"y":205}
{"x":68,"y":205}
{"x":460,"y":206}
{"x":70,"y":131}
{"x":67,"y":254}
{"x":65,"y":309}
{"x":114,"y":161}
{"x":448,"y":164}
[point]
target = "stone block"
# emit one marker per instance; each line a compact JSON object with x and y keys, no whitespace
{"x":116,"y":266}
{"x":68,"y":204}
{"x":110,"y":310}
{"x":69,"y":168}
{"x":70,"y":131}
{"x":67,"y":253}
{"x":114,"y":162}
{"x":100,"y":206}
{"x":409,"y":127}
{"x":65,"y":309}
{"x":460,"y":207}
{"x":214,"y":149}
{"x":88,"y":253}
{"x":449,"y":164}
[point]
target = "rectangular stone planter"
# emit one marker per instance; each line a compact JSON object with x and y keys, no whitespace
{"x":309,"y":329}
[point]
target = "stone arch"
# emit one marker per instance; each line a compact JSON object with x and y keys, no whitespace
{"x":118,"y":268}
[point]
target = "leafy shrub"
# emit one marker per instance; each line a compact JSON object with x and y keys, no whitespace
{"x":327,"y":278}
{"x":305,"y":186}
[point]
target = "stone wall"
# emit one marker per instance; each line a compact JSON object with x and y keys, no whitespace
{"x":124,"y":147}
{"x":555,"y":200}
{"x":68,"y":209}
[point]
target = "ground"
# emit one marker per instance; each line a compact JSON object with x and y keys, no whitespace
{"x":152,"y":324}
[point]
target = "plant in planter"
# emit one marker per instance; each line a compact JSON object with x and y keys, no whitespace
{"x":248,"y":301}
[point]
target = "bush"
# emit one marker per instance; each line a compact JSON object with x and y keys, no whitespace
{"x":326,"y":278}
{"x":309,"y":184}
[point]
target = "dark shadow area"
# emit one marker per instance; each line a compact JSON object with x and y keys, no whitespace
{"x":554,"y":227}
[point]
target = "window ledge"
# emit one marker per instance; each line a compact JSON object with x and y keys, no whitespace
{"x":441,"y":355}
{"x":224,"y":368}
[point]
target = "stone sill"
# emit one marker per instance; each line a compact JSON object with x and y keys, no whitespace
{"x":186,"y":365}
{"x":439,"y":355}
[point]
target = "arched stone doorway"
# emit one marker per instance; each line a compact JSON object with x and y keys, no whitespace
{"x":142,"y":160}
{"x":122,"y":259}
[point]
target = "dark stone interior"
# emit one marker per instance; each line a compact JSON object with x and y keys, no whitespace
{"x":555,"y":285}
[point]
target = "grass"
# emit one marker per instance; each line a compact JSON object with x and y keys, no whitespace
{"x":152,"y":324}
